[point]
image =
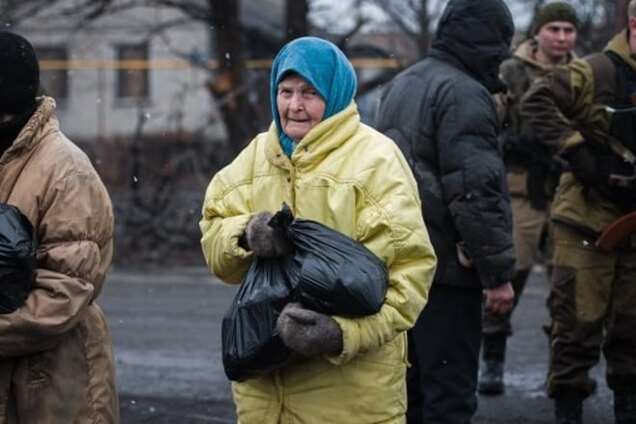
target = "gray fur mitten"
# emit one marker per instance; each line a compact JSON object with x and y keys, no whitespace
{"x":265,"y":241}
{"x":307,"y":332}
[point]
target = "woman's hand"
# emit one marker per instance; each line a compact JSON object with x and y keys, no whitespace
{"x":307,"y":332}
{"x":264,"y":240}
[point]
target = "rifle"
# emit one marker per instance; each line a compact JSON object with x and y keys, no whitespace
{"x":616,"y":232}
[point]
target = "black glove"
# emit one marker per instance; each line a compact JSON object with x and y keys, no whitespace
{"x":266,"y":241}
{"x":307,"y":332}
{"x":542,"y":181}
{"x":524,"y":149}
{"x":518,"y":148}
{"x":584,"y":165}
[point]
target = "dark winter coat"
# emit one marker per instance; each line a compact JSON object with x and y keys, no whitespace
{"x":443,"y":117}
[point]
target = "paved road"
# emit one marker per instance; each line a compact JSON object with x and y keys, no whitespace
{"x":525,"y":400}
{"x":166,"y":330}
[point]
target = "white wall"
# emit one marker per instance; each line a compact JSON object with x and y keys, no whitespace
{"x":92,"y":110}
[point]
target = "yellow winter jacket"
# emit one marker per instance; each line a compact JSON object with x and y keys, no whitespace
{"x":355,"y":180}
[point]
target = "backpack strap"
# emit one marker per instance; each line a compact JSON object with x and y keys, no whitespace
{"x":622,"y":70}
{"x":608,"y":90}
{"x":606,"y":82}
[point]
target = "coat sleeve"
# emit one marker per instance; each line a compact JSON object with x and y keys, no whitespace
{"x":555,"y":102}
{"x":473,"y":180}
{"x":391,"y":226}
{"x":225,"y":215}
{"x":514,"y":75}
{"x":74,"y":234}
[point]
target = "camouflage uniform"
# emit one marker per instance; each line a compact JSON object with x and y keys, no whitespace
{"x":593,"y":294}
{"x":530,"y":219}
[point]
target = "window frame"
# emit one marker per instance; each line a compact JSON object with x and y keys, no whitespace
{"x":124,"y":77}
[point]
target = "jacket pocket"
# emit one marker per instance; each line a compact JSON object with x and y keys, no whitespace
{"x":562,"y":297}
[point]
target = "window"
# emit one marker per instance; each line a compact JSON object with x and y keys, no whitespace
{"x":132,"y":76}
{"x":53,"y":72}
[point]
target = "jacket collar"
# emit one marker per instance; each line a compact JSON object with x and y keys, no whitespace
{"x":449,"y":58}
{"x":325,"y":137}
{"x":27,"y":139}
{"x":620,"y":45}
{"x":526,"y":52}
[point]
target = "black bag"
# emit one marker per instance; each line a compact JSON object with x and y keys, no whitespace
{"x":328,"y":273}
{"x":332,"y":273}
{"x":250,"y":344}
{"x":17,"y":258}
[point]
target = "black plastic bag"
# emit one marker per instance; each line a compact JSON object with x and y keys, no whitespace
{"x":251,"y":346}
{"x":17,"y":258}
{"x":328,"y":273}
{"x":332,"y":273}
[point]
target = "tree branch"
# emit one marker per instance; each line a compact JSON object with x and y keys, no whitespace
{"x":396,"y":16}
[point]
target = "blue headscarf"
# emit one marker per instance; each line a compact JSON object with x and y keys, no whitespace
{"x":324,"y":66}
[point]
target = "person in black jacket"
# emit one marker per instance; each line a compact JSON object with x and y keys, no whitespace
{"x":441,"y":113}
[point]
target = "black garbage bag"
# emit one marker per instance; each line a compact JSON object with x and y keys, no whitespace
{"x":328,"y":273}
{"x":332,"y":273}
{"x":251,"y":346}
{"x":17,"y":258}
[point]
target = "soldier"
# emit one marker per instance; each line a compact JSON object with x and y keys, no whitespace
{"x":532,"y":172}
{"x":585,"y":112}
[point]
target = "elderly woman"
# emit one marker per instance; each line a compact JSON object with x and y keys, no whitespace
{"x":329,"y":167}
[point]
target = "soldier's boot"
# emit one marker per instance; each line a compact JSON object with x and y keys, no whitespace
{"x":492,"y":366}
{"x":568,"y":408}
{"x":625,"y":407}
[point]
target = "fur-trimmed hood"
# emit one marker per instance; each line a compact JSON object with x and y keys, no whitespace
{"x":42,"y":121}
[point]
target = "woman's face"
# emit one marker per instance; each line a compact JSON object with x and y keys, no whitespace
{"x":300,"y":107}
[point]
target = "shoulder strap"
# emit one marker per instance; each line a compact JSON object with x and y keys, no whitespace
{"x":622,"y":69}
{"x":608,"y":88}
{"x":605,"y":78}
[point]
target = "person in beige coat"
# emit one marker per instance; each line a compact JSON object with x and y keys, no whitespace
{"x":56,"y":359}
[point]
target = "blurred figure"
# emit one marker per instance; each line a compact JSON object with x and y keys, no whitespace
{"x":533,"y":172}
{"x":329,"y":167}
{"x":585,"y":112}
{"x":441,"y":113}
{"x":57,"y":363}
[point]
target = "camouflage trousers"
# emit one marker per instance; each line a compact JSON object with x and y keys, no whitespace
{"x":592,"y":304}
{"x":529,"y":225}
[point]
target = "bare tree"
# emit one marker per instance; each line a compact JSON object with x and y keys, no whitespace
{"x":231,"y":81}
{"x":296,"y":18}
{"x":414,"y":18}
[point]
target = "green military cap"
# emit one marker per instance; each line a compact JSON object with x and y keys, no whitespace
{"x":557,"y":11}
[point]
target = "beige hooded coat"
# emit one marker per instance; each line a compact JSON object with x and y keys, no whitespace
{"x":56,"y":360}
